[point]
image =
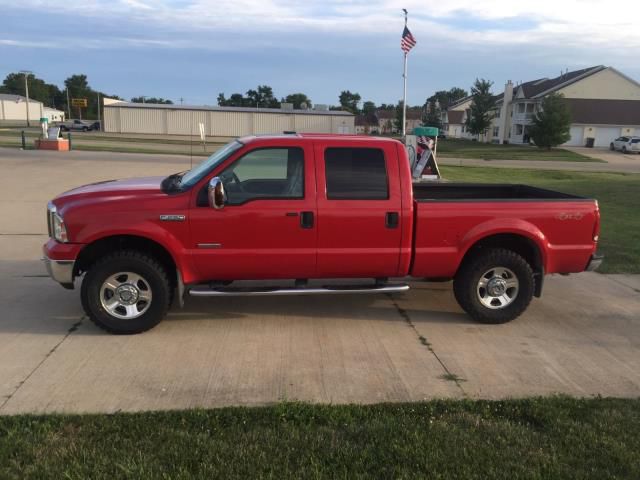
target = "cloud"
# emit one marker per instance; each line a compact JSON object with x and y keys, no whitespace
{"x":546,"y":22}
{"x":355,"y":42}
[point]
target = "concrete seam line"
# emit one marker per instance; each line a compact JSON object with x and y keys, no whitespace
{"x":70,"y":330}
{"x":405,"y":315}
{"x":609,"y":277}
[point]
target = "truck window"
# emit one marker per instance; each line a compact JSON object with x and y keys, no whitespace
{"x":272,"y":173}
{"x":356,"y":174}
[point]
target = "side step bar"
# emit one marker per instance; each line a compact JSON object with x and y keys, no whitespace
{"x":271,"y":291}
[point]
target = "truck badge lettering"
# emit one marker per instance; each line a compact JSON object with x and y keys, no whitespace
{"x":172,"y":218}
{"x":570,"y":216}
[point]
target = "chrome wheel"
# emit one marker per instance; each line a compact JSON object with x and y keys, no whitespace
{"x":498,"y":288}
{"x":125,"y":295}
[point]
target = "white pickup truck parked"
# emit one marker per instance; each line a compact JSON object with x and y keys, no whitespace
{"x":77,"y":125}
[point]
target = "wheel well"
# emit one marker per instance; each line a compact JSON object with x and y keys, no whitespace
{"x":523,"y":246}
{"x":104,"y":246}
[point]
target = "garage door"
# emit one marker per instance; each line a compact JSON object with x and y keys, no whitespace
{"x":606,"y":135}
{"x":576,"y":137}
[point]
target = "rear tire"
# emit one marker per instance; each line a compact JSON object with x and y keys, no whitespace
{"x":126,"y":292}
{"x":496,"y":286}
{"x":624,"y":150}
{"x":612,"y":147}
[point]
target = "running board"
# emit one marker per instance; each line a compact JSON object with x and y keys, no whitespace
{"x":328,"y":290}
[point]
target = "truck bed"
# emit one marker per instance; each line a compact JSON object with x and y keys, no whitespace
{"x":451,"y":192}
{"x":451,"y":217}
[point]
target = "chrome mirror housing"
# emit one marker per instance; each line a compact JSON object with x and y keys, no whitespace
{"x":215,"y":193}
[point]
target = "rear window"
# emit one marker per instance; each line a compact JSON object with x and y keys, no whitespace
{"x":356,"y":174}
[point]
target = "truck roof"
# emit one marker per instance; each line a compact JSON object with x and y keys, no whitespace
{"x":316,"y":136}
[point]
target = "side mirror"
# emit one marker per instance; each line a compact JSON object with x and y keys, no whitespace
{"x":215,"y":193}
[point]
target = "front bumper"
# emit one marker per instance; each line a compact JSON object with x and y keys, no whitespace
{"x":60,"y":270}
{"x":594,"y":262}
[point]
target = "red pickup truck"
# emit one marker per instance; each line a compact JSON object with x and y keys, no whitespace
{"x":294,"y":211}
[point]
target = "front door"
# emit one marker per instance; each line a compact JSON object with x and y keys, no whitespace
{"x":267,"y":228}
{"x":359,"y":211}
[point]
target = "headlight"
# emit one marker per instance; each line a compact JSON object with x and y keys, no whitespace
{"x":59,"y":229}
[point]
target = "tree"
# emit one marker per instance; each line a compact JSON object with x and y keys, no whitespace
{"x":444,"y":98}
{"x":368,"y":108}
{"x":298,"y":100}
{"x":349,"y":101}
{"x":39,"y":90}
{"x":432,"y":117}
{"x":160,"y":100}
{"x":482,"y":105}
{"x":235,"y":100}
{"x":397,"y":122}
{"x":551,"y":124}
{"x":262,"y":97}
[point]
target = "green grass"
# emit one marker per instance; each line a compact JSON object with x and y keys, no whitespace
{"x":533,"y":438}
{"x":618,"y":195}
{"x":452,"y":148}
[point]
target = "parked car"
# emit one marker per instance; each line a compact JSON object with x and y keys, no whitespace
{"x":626,"y":144}
{"x":77,"y":125}
{"x":299,"y":209}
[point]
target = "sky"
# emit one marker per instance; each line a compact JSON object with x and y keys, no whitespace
{"x":195,"y":49}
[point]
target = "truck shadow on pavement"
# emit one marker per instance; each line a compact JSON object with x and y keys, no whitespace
{"x":34,"y":304}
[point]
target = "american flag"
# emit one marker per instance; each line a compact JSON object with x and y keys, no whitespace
{"x":407,"y":42}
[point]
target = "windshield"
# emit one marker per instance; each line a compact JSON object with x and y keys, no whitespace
{"x":194,"y":175}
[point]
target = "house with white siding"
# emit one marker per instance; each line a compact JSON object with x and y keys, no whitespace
{"x":604,"y":104}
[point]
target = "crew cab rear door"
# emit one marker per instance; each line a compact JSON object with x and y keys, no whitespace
{"x":267,"y":228}
{"x":359,"y":209}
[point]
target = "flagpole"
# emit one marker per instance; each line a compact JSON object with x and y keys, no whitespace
{"x":404,"y":93}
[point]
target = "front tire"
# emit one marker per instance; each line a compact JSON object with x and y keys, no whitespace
{"x":496,"y":286}
{"x":126,"y":292}
{"x":612,"y":147}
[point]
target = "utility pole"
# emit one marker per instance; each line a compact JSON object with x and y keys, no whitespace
{"x":26,"y":74}
{"x":99,"y":122}
{"x":68,"y":105}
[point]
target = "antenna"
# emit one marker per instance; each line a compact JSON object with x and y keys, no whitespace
{"x":191,"y":142}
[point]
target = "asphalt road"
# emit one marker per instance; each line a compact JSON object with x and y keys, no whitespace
{"x":582,"y":338}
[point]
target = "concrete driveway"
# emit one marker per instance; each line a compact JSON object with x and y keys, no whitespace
{"x":581,"y":338}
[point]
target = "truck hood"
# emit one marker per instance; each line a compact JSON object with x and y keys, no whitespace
{"x":111,"y":188}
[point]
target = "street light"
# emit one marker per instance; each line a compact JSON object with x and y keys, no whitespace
{"x":26,"y":74}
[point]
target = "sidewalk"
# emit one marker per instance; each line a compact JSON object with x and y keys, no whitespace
{"x":616,"y":162}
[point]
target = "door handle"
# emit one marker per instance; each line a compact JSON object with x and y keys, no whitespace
{"x":391,"y":219}
{"x":306,"y":219}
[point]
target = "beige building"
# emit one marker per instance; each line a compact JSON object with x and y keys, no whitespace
{"x":13,"y":110}
{"x":387,"y":124}
{"x":124,"y":117}
{"x":455,"y":117}
{"x":604,"y":104}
